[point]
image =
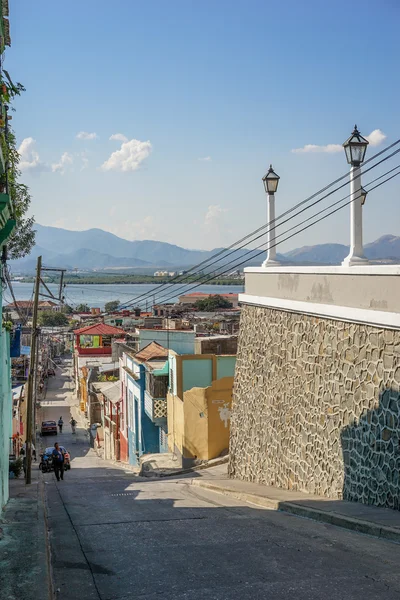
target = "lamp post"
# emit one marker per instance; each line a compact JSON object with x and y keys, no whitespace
{"x":271,"y":181}
{"x":355,"y":148}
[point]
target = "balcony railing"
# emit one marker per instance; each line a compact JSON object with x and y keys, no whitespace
{"x":155,"y":408}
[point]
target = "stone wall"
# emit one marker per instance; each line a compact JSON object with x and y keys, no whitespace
{"x":316,"y":406}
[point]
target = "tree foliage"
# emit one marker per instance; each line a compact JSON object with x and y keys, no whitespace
{"x":212,"y":303}
{"x":83,"y":308}
{"x":52,"y":319}
{"x":22,"y":239}
{"x":112,"y":305}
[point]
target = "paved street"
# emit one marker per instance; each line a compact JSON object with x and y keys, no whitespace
{"x":116,"y":536}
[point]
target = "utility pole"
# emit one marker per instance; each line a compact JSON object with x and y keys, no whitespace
{"x":31,"y":375}
{"x":31,"y":383}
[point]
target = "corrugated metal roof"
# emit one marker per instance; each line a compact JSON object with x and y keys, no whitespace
{"x":110,"y":389}
{"x":152,"y":351}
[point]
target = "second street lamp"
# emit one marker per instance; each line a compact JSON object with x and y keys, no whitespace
{"x":355,"y":148}
{"x":271,"y":181}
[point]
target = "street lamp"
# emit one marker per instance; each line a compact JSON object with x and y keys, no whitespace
{"x":271,"y":181}
{"x":355,"y":148}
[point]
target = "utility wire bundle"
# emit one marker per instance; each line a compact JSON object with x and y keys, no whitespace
{"x":176,"y":285}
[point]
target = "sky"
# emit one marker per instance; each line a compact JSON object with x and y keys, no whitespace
{"x":157,"y":120}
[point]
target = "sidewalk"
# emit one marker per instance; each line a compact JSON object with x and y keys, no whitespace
{"x":24,"y":558}
{"x":371,"y":520}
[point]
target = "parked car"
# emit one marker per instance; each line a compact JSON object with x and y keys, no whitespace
{"x":48,"y":427}
{"x":57,"y":360}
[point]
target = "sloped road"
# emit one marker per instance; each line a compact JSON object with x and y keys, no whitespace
{"x":115,"y":536}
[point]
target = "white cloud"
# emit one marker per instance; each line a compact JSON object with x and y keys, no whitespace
{"x":84,"y":135}
{"x":213,"y":215}
{"x":205,"y":159}
{"x":131,"y":154}
{"x":308,"y":148}
{"x":375,"y":138}
{"x":60,"y":167}
{"x":29,"y":156}
{"x":138,"y":229}
{"x":119,"y":137}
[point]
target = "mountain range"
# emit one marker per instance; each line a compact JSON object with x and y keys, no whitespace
{"x":96,"y":249}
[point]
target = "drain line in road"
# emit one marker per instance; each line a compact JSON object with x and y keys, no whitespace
{"x":80,"y":544}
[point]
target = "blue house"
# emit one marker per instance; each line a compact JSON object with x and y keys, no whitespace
{"x":145,"y":385}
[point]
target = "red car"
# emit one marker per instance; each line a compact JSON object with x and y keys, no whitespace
{"x":48,"y":427}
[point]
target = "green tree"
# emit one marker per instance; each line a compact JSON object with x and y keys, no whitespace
{"x":52,"y":319}
{"x":83,"y":308}
{"x":212,"y":303}
{"x":67,"y":310}
{"x":22,"y":239}
{"x":112,"y":305}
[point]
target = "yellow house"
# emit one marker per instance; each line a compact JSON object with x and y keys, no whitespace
{"x":199,"y":405}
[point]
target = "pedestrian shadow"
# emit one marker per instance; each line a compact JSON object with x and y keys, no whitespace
{"x":371,"y":454}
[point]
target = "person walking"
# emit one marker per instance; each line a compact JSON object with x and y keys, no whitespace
{"x":58,"y":462}
{"x":33,"y":450}
{"x":60,"y":424}
{"x":73,"y":424}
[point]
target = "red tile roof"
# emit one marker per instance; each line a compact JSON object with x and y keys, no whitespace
{"x":202,"y":294}
{"x":99,"y":329}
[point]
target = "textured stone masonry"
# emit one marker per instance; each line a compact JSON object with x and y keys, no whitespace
{"x":316,"y":406}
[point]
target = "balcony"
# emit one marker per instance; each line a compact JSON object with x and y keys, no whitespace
{"x":102,"y":351}
{"x":155,"y":408}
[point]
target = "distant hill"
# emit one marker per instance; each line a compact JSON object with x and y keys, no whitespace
{"x":96,"y":249}
{"x":322,"y":253}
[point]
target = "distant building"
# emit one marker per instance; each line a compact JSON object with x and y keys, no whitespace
{"x":194,"y":297}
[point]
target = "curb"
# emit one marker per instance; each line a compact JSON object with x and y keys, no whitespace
{"x":332,"y":518}
{"x":215,"y":463}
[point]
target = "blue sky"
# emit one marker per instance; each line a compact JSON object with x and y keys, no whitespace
{"x":204,"y":94}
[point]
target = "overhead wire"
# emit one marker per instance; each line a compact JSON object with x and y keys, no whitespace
{"x":180,"y":279}
{"x":296,"y":233}
{"x":147,"y":295}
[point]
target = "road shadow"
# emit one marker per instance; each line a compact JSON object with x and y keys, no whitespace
{"x":371,"y":454}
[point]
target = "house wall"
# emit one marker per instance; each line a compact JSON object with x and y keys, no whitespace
{"x":216,"y":345}
{"x":193,"y":404}
{"x":175,"y":418}
{"x":225,"y":366}
{"x":219,"y":404}
{"x":317,"y":406}
{"x":196,"y":372}
{"x":207,"y":414}
{"x":5,"y":413}
{"x":375,"y":287}
{"x":195,"y":431}
{"x":181,"y":342}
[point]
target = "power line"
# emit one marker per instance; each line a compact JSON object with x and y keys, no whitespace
{"x":147,"y":295}
{"x":179,"y":279}
{"x":296,"y":233}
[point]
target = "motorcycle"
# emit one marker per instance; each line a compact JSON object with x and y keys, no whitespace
{"x":46,"y":463}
